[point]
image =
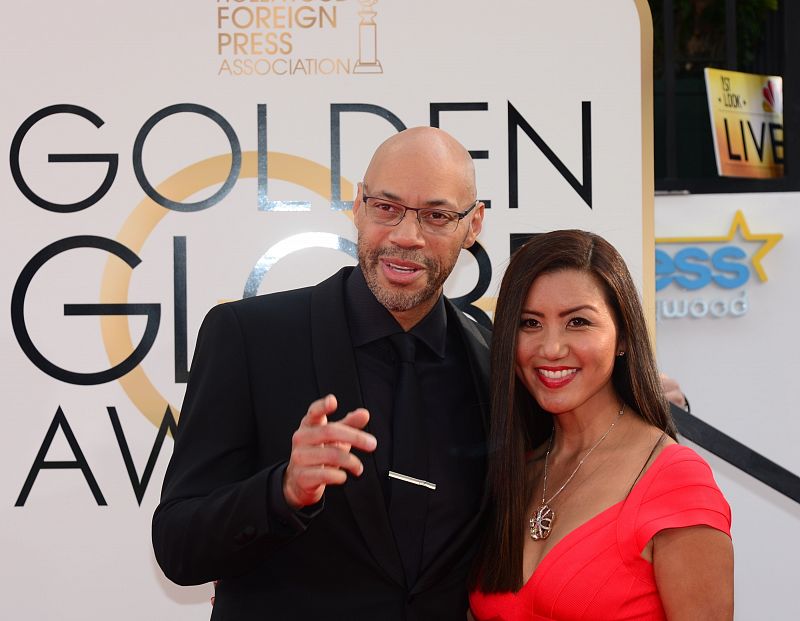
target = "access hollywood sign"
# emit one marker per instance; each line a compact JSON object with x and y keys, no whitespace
{"x":688,"y":266}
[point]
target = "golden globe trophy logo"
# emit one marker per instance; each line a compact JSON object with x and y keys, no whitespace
{"x":297,"y":37}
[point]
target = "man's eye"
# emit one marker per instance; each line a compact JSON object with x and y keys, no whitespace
{"x":437,"y":217}
{"x":387,"y":207}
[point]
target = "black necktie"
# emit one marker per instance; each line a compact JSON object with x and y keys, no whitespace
{"x":409,"y":501}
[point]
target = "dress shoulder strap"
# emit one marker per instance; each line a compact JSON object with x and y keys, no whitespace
{"x":647,"y":461}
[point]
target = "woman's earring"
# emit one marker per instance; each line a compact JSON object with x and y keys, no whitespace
{"x":621,"y":353}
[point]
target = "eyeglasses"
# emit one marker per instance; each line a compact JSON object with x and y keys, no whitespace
{"x":431,"y":220}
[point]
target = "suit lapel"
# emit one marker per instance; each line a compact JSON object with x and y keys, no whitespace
{"x":478,"y":352}
{"x":477,"y":346}
{"x":335,"y":366}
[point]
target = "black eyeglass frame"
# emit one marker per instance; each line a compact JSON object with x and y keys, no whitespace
{"x":459,"y":214}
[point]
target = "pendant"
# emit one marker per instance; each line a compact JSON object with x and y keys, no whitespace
{"x":541,"y":523}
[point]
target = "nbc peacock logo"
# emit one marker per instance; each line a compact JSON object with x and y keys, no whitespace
{"x":773,"y":96}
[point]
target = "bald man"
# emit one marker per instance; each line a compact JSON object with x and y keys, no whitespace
{"x":286,"y":460}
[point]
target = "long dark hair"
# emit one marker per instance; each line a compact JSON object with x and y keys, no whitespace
{"x":518,"y":424}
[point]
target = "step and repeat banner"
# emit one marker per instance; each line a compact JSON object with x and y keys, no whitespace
{"x":166,"y":156}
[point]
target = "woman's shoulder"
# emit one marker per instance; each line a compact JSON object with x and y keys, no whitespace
{"x":675,"y":463}
{"x":678,"y":490}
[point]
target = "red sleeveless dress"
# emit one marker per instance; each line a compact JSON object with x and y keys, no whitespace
{"x":596,"y":572}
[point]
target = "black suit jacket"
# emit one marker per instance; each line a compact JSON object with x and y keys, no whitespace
{"x":259,"y":363}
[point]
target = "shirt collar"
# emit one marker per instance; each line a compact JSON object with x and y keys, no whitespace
{"x":370,"y":321}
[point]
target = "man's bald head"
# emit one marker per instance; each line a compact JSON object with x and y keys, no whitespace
{"x":430,"y":146}
{"x":405,"y":266}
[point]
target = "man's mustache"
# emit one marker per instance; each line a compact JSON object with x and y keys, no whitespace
{"x":405,"y":254}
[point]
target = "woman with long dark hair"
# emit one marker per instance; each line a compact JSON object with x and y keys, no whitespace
{"x":597,"y":512}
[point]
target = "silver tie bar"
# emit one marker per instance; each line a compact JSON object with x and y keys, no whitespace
{"x":412,"y":480}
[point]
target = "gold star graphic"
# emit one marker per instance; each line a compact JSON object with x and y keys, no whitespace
{"x":768,"y":241}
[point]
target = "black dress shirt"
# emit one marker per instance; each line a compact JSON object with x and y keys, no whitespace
{"x":455,"y":427}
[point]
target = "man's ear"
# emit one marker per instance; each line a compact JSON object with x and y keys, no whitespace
{"x":358,"y":202}
{"x":358,"y":199}
{"x":475,"y":225}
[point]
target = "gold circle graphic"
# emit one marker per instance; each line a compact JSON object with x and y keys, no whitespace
{"x":143,"y":220}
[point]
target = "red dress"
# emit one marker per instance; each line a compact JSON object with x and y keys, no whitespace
{"x":596,"y":573}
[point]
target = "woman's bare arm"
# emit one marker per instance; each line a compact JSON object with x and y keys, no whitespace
{"x":694,"y":573}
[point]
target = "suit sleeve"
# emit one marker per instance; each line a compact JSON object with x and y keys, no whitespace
{"x":216,"y":517}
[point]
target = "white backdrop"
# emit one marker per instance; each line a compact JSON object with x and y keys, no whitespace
{"x":526,"y":63}
{"x":738,"y":372}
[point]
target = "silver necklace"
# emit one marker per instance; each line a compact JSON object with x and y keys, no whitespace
{"x":541,"y":522}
